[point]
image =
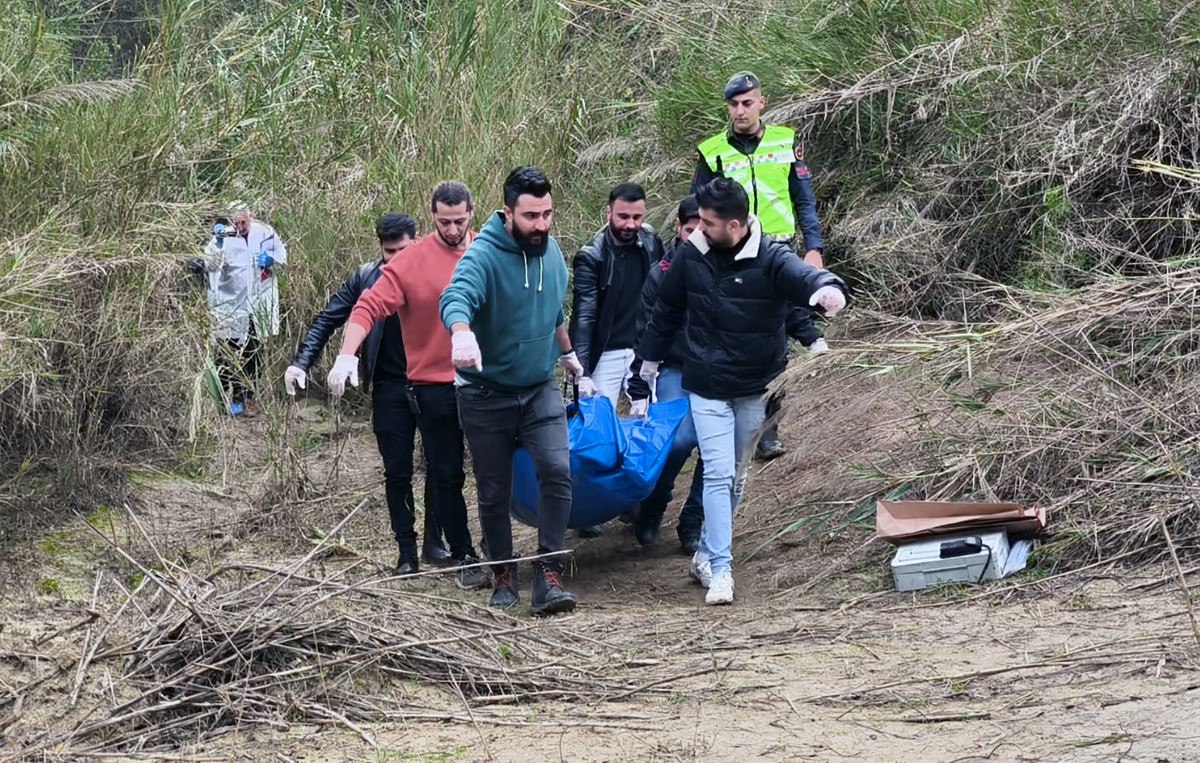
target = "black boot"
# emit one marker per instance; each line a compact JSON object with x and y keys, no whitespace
{"x":406,"y":564}
{"x":769,"y":446}
{"x":549,"y":598}
{"x":504,"y":586}
{"x":646,"y":526}
{"x":434,"y":553}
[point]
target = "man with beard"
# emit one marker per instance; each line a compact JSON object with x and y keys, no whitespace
{"x":410,"y":287}
{"x":670,"y":387}
{"x":503,"y":308}
{"x":386,"y":371}
{"x":768,"y":161}
{"x":729,"y":287}
{"x":609,"y":273}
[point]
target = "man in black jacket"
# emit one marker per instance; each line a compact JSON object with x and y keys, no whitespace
{"x":670,"y":387}
{"x":729,"y":288}
{"x":608,"y":274}
{"x":386,"y":365}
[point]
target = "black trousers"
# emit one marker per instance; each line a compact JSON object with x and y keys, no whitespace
{"x":436,"y":408}
{"x":495,"y":423}
{"x":238,"y":366}
{"x":396,"y":433}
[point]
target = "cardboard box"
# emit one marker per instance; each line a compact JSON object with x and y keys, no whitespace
{"x":896,"y":521}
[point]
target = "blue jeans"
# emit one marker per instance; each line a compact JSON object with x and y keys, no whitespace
{"x":670,"y":387}
{"x":726,"y":430}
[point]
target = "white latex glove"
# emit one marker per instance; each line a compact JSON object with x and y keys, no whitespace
{"x":649,"y":372}
{"x":830,"y":298}
{"x":573,"y":370}
{"x":464,"y":350}
{"x":819,"y":346}
{"x":293,"y":377}
{"x":639,"y":408}
{"x":345,"y":367}
{"x":587,"y":387}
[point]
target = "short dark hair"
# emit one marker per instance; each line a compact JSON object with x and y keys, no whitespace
{"x":726,"y":198}
{"x":394,"y":226}
{"x":525,"y":180}
{"x":688,"y":209}
{"x":629,"y":192}
{"x":451,"y":193}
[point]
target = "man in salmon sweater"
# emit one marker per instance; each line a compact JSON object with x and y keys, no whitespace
{"x":411,"y":285}
{"x":504,"y":309}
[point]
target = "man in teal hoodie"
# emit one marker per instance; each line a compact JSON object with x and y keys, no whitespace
{"x":503,"y":308}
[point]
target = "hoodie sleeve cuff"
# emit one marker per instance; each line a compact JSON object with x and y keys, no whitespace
{"x":455,"y":315}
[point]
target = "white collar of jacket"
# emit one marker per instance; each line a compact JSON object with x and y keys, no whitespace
{"x":749,"y":250}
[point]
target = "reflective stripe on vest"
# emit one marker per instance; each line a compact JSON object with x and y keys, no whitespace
{"x":764,"y":174}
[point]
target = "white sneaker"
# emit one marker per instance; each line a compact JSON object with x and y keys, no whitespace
{"x":819,"y":346}
{"x":701,"y":569}
{"x":720,"y":591}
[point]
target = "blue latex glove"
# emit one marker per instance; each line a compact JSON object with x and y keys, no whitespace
{"x":265,"y":260}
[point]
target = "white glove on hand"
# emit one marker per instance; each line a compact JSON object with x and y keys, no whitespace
{"x":649,"y":372}
{"x":830,"y":298}
{"x":464,"y":350}
{"x":345,"y":367}
{"x":573,"y":370}
{"x":639,"y":408}
{"x":295,"y":376}
{"x":587,"y":387}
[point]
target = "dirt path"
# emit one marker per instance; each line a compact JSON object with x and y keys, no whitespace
{"x":1083,"y":669}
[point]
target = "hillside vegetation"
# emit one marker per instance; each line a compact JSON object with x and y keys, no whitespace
{"x":990,"y":164}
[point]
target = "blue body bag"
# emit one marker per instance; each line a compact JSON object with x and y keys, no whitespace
{"x":615,"y":463}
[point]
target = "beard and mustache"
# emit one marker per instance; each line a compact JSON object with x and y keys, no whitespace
{"x":533,"y":244}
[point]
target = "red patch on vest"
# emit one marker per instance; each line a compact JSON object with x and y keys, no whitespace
{"x":802,"y":171}
{"x":664,"y":265}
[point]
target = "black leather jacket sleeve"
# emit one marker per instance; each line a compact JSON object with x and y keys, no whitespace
{"x":329,"y":320}
{"x":585,"y":300}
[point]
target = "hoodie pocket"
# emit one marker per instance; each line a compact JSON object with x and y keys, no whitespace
{"x":534,"y":359}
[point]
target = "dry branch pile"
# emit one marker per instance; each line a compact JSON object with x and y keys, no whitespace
{"x":187,"y":656}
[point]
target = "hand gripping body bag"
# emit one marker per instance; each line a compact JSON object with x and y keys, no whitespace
{"x":614,"y":462}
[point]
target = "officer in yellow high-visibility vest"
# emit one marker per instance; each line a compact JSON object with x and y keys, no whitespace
{"x":768,"y":161}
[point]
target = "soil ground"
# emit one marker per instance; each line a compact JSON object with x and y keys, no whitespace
{"x":818,"y":659}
